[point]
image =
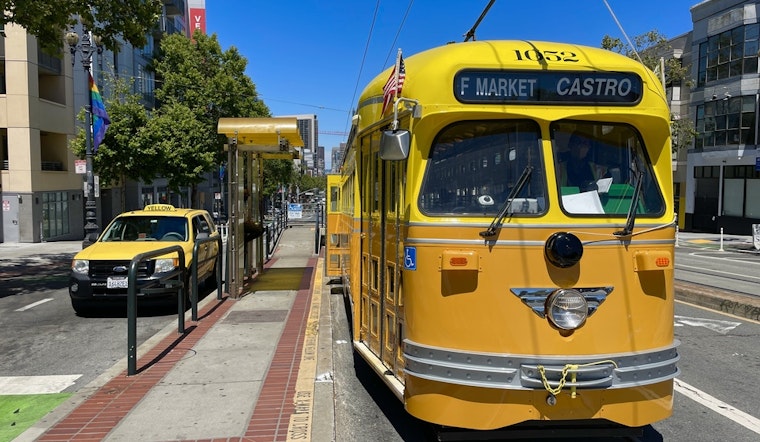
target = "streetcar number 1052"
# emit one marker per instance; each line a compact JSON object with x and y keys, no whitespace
{"x":536,"y":55}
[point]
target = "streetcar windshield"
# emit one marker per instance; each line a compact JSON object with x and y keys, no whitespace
{"x":473,"y":165}
{"x":597,"y":167}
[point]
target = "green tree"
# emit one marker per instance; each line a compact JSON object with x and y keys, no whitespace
{"x":277,"y":172}
{"x":120,"y":157}
{"x":651,"y":47}
{"x":109,"y":19}
{"x":198,"y":84}
{"x":312,"y":182}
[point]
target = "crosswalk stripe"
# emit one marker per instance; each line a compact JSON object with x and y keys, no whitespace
{"x":36,"y":384}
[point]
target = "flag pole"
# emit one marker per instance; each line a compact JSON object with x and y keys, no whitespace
{"x":395,"y":88}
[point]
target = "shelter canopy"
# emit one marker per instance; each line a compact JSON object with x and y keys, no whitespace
{"x":262,"y":134}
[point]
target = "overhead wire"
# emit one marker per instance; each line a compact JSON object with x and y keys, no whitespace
{"x":633,"y":48}
{"x":395,"y":38}
{"x":361,"y":66}
{"x":614,"y":17}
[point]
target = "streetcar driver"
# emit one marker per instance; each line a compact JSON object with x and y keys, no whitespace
{"x":575,"y":167}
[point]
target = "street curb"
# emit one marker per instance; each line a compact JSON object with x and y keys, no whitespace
{"x":737,"y":304}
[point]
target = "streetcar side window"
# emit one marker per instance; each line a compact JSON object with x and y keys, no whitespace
{"x":597,"y":166}
{"x":473,"y":165}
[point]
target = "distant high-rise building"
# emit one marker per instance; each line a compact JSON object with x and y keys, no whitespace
{"x":308,"y":128}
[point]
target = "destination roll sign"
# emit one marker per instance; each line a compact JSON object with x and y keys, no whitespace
{"x":482,"y":86}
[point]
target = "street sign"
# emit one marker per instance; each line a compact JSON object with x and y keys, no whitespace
{"x":80,"y":166}
{"x":295,"y":211}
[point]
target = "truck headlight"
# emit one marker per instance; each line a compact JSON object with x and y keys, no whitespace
{"x":80,"y":266}
{"x":164,"y":265}
{"x":566,"y":309}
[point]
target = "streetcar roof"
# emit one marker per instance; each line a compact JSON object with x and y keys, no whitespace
{"x":437,"y":66}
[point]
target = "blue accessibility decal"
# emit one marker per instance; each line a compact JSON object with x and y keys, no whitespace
{"x":410,"y":258}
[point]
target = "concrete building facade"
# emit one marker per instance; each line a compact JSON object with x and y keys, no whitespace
{"x":722,"y":176}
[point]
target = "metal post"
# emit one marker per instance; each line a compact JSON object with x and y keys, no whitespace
{"x":258,"y":206}
{"x":87,"y":48}
{"x":316,"y":229}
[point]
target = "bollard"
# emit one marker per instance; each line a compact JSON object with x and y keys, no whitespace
{"x":721,"y":239}
{"x":676,"y":235}
{"x":132,"y":301}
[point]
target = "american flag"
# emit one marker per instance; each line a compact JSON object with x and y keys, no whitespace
{"x":394,"y":84}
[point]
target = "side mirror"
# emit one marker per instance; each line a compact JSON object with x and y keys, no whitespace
{"x":394,"y":145}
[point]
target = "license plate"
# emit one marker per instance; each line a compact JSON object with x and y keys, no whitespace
{"x":117,"y":282}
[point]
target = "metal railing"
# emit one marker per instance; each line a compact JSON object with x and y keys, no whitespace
{"x":273,"y":230}
{"x":194,"y":272}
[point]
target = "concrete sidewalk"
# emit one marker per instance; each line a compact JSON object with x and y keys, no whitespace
{"x":245,"y":370}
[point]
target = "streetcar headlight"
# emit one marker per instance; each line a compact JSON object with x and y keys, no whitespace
{"x":80,"y":266}
{"x":563,"y":249}
{"x":566,"y":309}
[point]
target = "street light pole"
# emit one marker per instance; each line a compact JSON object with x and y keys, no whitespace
{"x":89,"y":45}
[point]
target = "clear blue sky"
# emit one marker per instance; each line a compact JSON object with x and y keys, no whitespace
{"x":316,"y":56}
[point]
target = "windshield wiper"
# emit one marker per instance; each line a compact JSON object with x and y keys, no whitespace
{"x":496,"y":223}
{"x":628,"y":229}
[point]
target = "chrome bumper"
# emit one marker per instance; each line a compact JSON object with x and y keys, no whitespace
{"x":521,"y":372}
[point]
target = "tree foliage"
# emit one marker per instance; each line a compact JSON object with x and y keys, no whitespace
{"x":109,"y":19}
{"x":312,"y":182}
{"x":120,"y":157}
{"x":651,"y":47}
{"x":199,"y":83}
{"x":277,"y":172}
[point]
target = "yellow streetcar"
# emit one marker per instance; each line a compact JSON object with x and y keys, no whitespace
{"x":504,"y":231}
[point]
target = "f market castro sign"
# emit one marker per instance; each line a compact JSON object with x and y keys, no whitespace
{"x":526,"y":87}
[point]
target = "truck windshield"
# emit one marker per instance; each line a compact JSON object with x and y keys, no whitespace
{"x":147,"y":228}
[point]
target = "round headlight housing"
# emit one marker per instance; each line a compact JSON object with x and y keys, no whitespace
{"x":567,"y":309}
{"x":80,"y":266}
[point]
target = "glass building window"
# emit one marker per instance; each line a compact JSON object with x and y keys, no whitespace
{"x":726,"y":122}
{"x":55,"y":214}
{"x":728,"y":54}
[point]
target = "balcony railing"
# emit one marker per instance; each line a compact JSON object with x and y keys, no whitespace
{"x":49,"y":63}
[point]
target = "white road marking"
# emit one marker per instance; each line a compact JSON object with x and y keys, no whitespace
{"x":36,"y":384}
{"x":745,"y":420}
{"x":34,"y":304}
{"x":722,"y":327}
{"x":742,"y":275}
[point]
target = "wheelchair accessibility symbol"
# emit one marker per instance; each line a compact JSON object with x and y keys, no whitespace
{"x":410,"y":258}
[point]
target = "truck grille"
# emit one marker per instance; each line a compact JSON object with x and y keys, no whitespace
{"x":103,"y":269}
